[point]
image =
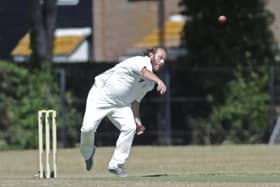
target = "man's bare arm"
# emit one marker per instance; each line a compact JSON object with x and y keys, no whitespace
{"x":161,"y":87}
{"x":140,"y":128}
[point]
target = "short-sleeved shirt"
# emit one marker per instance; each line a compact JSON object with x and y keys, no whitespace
{"x":124,"y":83}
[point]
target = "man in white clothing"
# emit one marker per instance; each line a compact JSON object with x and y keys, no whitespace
{"x":117,"y":94}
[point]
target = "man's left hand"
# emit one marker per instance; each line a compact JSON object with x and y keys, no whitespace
{"x":140,"y":129}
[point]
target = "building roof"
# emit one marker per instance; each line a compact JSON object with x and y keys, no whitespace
{"x":66,"y":41}
{"x":173,"y":28}
{"x":63,"y":45}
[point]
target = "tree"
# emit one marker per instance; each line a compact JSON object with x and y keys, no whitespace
{"x":22,"y":94}
{"x":244,"y":37}
{"x":244,"y":114}
{"x":243,"y":47}
{"x":42,"y":30}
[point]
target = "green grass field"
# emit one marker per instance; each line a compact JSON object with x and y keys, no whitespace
{"x":195,"y":166}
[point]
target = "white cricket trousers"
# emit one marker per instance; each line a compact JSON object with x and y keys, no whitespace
{"x":97,"y":107}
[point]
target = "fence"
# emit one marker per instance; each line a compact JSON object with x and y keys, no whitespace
{"x":189,"y":95}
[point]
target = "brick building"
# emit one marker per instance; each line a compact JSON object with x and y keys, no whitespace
{"x":118,"y":25}
{"x":115,"y":26}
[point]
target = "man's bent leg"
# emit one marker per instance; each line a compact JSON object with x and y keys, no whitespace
{"x":91,"y":122}
{"x":94,"y":113}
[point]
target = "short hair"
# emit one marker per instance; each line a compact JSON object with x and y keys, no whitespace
{"x":153,"y":50}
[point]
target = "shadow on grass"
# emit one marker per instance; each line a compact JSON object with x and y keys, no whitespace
{"x":156,"y":175}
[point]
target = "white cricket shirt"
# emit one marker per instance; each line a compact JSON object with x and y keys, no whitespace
{"x":124,"y":83}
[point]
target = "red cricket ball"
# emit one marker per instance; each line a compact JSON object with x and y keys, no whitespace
{"x":222,"y":19}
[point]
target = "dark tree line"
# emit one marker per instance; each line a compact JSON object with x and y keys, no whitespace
{"x":240,"y":52}
{"x":244,"y":38}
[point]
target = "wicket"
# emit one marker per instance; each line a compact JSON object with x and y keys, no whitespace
{"x":45,"y":118}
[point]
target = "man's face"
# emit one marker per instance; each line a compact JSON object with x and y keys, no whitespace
{"x":158,"y":59}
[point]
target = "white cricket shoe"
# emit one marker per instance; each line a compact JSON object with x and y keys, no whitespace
{"x":119,"y":170}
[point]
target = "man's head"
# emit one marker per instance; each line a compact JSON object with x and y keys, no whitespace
{"x":157,"y":56}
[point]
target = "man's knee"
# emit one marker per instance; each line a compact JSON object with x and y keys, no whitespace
{"x":88,"y":128}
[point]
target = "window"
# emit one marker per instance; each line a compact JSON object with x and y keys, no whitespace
{"x":67,"y":2}
{"x":140,"y":0}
